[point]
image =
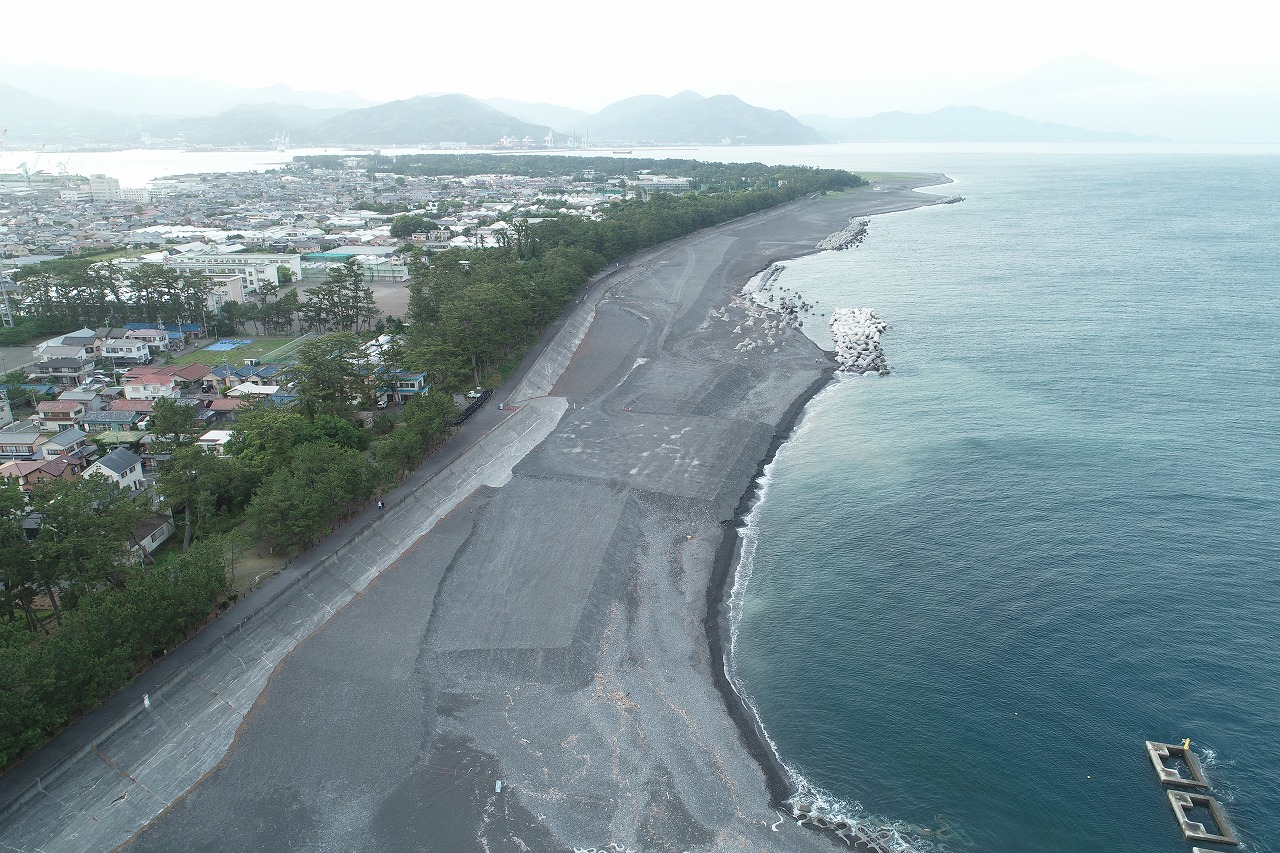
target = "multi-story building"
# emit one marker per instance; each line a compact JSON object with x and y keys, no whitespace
{"x":57,"y":415}
{"x":137,"y":195}
{"x":120,"y":351}
{"x":21,"y":440}
{"x":61,"y":371}
{"x":80,"y":344}
{"x":213,"y":262}
{"x":104,"y":188}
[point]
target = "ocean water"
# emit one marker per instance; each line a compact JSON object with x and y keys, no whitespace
{"x":979,"y":584}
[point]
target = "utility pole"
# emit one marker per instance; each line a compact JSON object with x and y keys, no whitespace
{"x":6,"y":312}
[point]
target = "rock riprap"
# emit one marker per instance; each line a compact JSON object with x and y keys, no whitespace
{"x":856,"y":332}
{"x":851,"y":236}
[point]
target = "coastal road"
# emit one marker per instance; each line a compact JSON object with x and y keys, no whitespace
{"x":534,"y":672}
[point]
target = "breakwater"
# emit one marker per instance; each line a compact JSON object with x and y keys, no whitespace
{"x":856,"y":332}
{"x":849,"y":237}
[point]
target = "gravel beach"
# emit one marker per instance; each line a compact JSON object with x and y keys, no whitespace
{"x":541,"y":670}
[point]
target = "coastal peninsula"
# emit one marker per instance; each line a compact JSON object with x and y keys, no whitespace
{"x":543,"y":669}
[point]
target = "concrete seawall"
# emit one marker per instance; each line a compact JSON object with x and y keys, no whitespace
{"x":149,"y":750}
{"x":542,"y":376}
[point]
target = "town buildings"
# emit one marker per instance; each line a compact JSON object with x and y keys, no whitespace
{"x":204,"y":220}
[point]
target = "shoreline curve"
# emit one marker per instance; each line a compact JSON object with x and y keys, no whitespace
{"x":459,"y":653}
{"x":718,"y":621}
{"x":779,"y":779}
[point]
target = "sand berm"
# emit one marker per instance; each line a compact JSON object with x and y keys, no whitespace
{"x":539,"y":666}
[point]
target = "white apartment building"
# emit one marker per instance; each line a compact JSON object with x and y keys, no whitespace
{"x":104,"y":188}
{"x":660,"y":184}
{"x":235,"y":277}
{"x":234,"y":261}
{"x":135,"y":194}
{"x":232,"y":287}
{"x":126,"y":351}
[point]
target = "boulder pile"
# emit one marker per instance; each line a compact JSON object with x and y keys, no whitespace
{"x":848,"y":238}
{"x":856,"y":332}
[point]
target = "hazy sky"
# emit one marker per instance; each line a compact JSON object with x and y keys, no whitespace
{"x":841,"y":57}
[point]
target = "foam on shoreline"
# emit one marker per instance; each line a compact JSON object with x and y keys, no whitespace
{"x":793,"y":796}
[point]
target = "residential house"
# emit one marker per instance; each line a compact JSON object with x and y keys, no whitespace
{"x":84,"y":349}
{"x":120,"y":466}
{"x":121,"y":351}
{"x":57,"y":415}
{"x":29,"y":473}
{"x":68,"y":444}
{"x":438,"y":240}
{"x":222,"y":376}
{"x":112,"y":421}
{"x":21,"y":440}
{"x":153,"y":532}
{"x":257,"y":374}
{"x":92,"y":400}
{"x":152,"y":383}
{"x":203,"y":415}
{"x":225,"y":407}
{"x":215,"y":441}
{"x":178,"y":334}
{"x":409,"y":384}
{"x":166,"y":337}
{"x":78,"y":344}
{"x":156,"y":339}
{"x":61,"y":370}
{"x":252,"y":391}
{"x":149,"y":385}
{"x":188,"y":374}
{"x":124,"y":404}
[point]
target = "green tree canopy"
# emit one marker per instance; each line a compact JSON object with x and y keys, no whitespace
{"x":342,"y":301}
{"x":204,"y":488}
{"x":172,"y":420}
{"x":86,"y":530}
{"x":329,"y":376}
{"x":411,"y":223}
{"x":321,"y":483}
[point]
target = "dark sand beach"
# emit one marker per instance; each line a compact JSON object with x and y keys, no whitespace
{"x":542,"y":670}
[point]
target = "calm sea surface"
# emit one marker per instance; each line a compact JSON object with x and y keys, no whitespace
{"x":981,"y":583}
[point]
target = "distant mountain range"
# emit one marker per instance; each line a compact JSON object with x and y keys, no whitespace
{"x":430,"y":119}
{"x":690,"y":118}
{"x":687,"y":118}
